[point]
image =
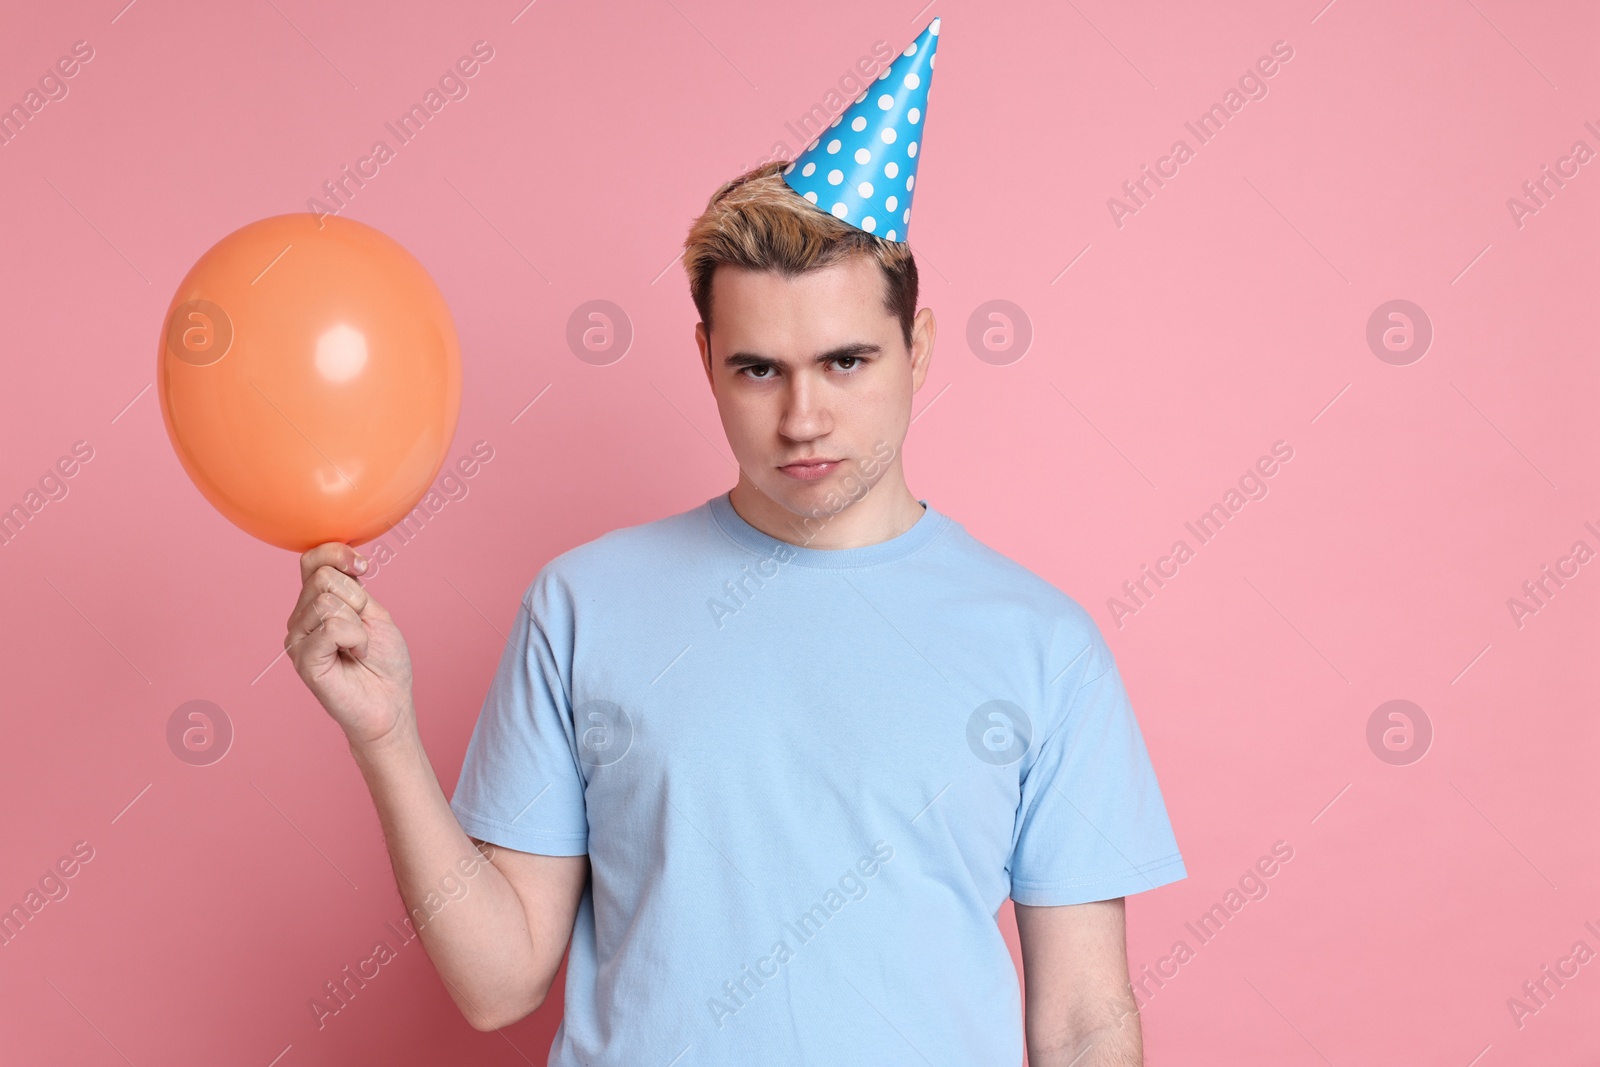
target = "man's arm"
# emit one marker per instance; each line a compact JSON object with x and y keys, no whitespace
{"x":498,"y":943}
{"x":1080,"y":1009}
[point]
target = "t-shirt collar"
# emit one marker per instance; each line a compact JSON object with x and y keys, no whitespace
{"x":897,"y":547}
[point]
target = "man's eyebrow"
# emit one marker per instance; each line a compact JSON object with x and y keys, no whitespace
{"x":855,"y":348}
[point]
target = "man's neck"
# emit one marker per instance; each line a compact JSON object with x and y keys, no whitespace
{"x":886,"y":510}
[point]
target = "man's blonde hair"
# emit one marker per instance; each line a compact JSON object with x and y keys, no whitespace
{"x":757,"y":222}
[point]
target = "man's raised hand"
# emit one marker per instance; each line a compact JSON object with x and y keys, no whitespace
{"x":346,"y":647}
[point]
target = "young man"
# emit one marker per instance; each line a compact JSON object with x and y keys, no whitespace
{"x":774,"y":763}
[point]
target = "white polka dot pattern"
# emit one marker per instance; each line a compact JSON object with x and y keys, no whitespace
{"x":869,"y":132}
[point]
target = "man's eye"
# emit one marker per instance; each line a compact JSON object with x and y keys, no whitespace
{"x":761,"y":372}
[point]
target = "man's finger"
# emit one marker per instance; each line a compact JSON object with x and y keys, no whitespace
{"x":334,"y":554}
{"x":309,"y":618}
{"x":313,"y":650}
{"x":328,"y":580}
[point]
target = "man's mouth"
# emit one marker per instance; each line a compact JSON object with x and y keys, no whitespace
{"x":809,"y":470}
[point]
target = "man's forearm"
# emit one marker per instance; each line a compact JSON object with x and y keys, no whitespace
{"x":478,"y":939}
{"x":1116,"y":1044}
{"x":1081,"y":1010}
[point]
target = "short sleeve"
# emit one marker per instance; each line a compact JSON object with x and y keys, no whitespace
{"x":1091,"y":823}
{"x":521,"y":786}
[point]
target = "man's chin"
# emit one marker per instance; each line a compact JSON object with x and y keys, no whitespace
{"x":830,"y":493}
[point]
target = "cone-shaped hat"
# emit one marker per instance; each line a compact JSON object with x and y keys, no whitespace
{"x":864,"y":166}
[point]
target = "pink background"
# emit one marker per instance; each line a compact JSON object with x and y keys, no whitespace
{"x":1227,"y":314}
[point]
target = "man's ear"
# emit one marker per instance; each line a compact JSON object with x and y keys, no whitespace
{"x":702,"y":338}
{"x":923,"y":331}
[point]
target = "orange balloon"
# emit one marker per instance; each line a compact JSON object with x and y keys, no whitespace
{"x":310,"y":379}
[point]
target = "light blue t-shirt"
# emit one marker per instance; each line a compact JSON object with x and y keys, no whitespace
{"x":806,"y":780}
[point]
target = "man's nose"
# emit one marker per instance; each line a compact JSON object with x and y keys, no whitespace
{"x":805,"y":413}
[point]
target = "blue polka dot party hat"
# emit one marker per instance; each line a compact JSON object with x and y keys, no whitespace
{"x":864,"y":166}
